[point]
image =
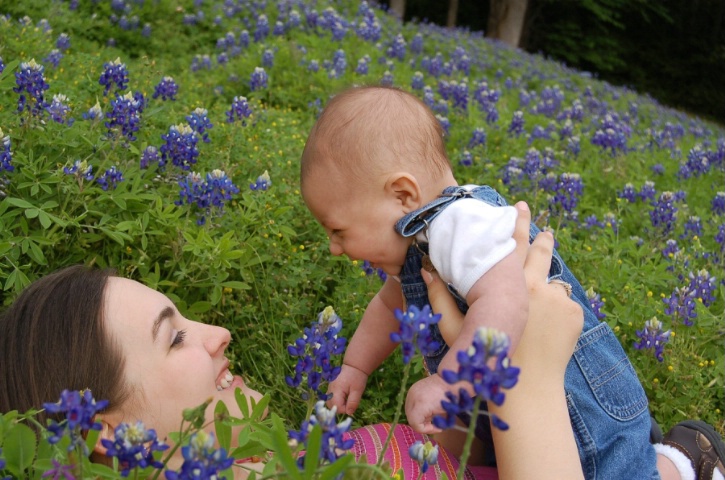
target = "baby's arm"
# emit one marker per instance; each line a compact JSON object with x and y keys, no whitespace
{"x":369,"y":346}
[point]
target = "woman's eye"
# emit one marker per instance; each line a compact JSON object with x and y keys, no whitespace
{"x":178,"y":338}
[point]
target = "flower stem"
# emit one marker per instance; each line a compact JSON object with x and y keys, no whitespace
{"x":398,"y":408}
{"x":469,"y":438}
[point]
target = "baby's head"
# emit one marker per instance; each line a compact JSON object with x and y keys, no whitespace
{"x":374,"y":155}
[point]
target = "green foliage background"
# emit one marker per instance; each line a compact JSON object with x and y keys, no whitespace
{"x":263,"y":269}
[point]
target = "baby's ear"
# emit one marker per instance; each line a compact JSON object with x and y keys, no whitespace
{"x":405,"y":189}
{"x":106,"y":433}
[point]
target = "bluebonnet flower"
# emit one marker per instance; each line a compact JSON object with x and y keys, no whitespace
{"x":363,"y":65}
{"x":81,"y":170}
{"x":525,"y":98}
{"x":595,"y":301}
{"x":517,"y":123}
{"x":453,"y":406}
{"x":166,"y":89}
{"x":652,"y":337}
{"x":44,"y":25}
{"x":697,"y":163}
{"x":459,"y":93}
{"x":79,"y":410}
{"x":30,"y":81}
{"x":478,"y":138}
{"x":59,"y":110}
{"x":417,"y":81}
{"x":425,"y":454}
{"x":539,"y":132}
{"x":208,"y":195}
{"x":612,"y":134}
{"x":397,"y":48}
{"x":315,"y":350}
{"x":573,"y":145}
{"x":681,"y":304}
{"x":244,"y":39}
{"x":278,"y":29}
{"x":59,"y":471}
{"x":416,"y":45}
{"x":146,"y":30}
{"x":487,"y":382}
{"x":568,"y":190}
{"x":718,"y":204}
{"x":199,"y":122}
{"x":222,"y":58}
{"x":2,"y":65}
{"x":387,"y":79}
{"x":338,"y":65}
{"x":63,"y":42}
{"x":487,"y":100}
{"x":110,"y":178}
{"x":628,"y":193}
{"x":414,"y":331}
{"x":262,"y":28}
{"x":703,"y":286}
{"x":94,"y":113}
{"x":368,"y":28}
{"x":180,"y":146}
{"x":199,"y":62}
{"x":671,"y":249}
{"x":294,"y":20}
{"x":125,"y":114}
{"x":201,"y":459}
{"x":114,"y":73}
{"x":240,"y":110}
{"x":333,"y":444}
{"x":150,"y":155}
{"x":134,"y":446}
{"x":6,"y":156}
{"x":428,"y":96}
{"x":693,"y":227}
{"x":54,"y":57}
{"x":647,"y":192}
{"x":445,"y":125}
{"x":720,"y":237}
{"x":592,"y":222}
{"x":466,"y":159}
{"x":664,"y":212}
{"x":369,"y":270}
{"x":313,"y":66}
{"x":258,"y":79}
{"x":549,"y":101}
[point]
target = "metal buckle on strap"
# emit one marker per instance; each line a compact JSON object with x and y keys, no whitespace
{"x":457,"y":194}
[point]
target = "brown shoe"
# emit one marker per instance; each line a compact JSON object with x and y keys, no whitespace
{"x":701,"y":444}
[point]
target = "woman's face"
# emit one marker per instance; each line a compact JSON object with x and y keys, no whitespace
{"x":172,"y":363}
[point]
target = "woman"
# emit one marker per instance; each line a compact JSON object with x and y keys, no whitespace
{"x":82,"y":328}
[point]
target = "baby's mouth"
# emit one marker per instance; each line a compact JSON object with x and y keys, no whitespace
{"x":225,"y":380}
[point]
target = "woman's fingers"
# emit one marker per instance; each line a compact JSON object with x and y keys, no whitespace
{"x":521,"y":231}
{"x":441,"y":301}
{"x":538,"y":259}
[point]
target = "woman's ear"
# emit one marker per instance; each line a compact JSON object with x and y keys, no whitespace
{"x":106,"y":433}
{"x":405,"y":189}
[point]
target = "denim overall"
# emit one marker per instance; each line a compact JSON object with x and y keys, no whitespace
{"x":607,"y":405}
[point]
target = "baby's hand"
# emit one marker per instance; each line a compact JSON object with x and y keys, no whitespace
{"x":424,"y":401}
{"x":347,"y":389}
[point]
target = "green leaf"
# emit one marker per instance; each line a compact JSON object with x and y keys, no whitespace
{"x":223,"y":431}
{"x":241,"y":402}
{"x":199,"y":307}
{"x":312,"y":455}
{"x":284,"y":452}
{"x":32,"y":212}
{"x":336,"y":468}
{"x":19,"y":202}
{"x":236,"y":285}
{"x":19,"y":449}
{"x":44,"y":219}
{"x":259,"y":408}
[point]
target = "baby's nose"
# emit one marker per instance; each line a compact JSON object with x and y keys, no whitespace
{"x":335,"y":249}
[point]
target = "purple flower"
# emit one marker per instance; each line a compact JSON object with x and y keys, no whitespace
{"x":58,"y":472}
{"x":416,"y":45}
{"x":693,"y":227}
{"x":30,"y":81}
{"x":487,"y":382}
{"x":150,"y":155}
{"x":180,"y":146}
{"x":94,"y":113}
{"x":125,"y":115}
{"x":703,"y":285}
{"x":596,"y":303}
{"x":718,"y":204}
{"x":63,"y":42}
{"x":459,"y":93}
{"x":80,"y":169}
{"x":425,"y":454}
{"x":478,"y":138}
{"x":516,"y":127}
{"x":466,"y":159}
{"x":2,"y":65}
{"x":414,"y":331}
{"x":262,"y":29}
{"x":417,"y":81}
{"x":6,"y":156}
{"x":387,"y":79}
{"x":262,"y":183}
{"x":681,"y":304}
{"x":134,"y":446}
{"x":697,"y":163}
{"x":568,"y":190}
{"x":362,"y":65}
{"x":199,"y":122}
{"x":647,"y":192}
{"x":658,"y":169}
{"x":652,"y":337}
{"x":314,"y":351}
{"x":612,"y":134}
{"x":79,"y":410}
{"x":369,"y":270}
{"x":628,"y":193}
{"x":207,"y":195}
{"x":333,"y":444}
{"x":201,"y":459}
{"x":670,"y":249}
{"x":110,"y":178}
{"x":59,"y":110}
{"x":166,"y":89}
{"x":200,"y":61}
{"x":397,"y":48}
{"x":114,"y":73}
{"x":239,"y":110}
{"x":258,"y":79}
{"x":338,"y":65}
{"x":663,"y":213}
{"x":445,"y":125}
{"x":54,"y":57}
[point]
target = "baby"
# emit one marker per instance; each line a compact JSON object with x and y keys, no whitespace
{"x":376,"y":176}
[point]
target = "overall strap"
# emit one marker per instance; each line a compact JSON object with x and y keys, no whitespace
{"x":417,"y":220}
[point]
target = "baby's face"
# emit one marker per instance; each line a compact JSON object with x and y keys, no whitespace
{"x":359,"y":221}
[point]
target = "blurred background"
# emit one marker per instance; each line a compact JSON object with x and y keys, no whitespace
{"x":671,"y":49}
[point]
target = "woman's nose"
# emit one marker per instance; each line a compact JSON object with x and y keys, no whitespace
{"x":217,"y":339}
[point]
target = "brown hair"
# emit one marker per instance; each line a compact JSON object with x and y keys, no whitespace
{"x":370,"y":129}
{"x":53,"y":338}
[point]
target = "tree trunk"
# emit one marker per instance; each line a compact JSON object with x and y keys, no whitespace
{"x":452,"y":13}
{"x":398,"y":7}
{"x":506,"y":20}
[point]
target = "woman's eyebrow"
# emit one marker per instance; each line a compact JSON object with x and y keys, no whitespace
{"x":166,"y":313}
